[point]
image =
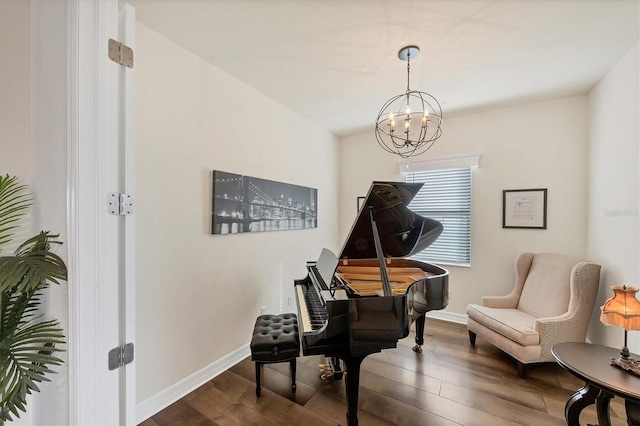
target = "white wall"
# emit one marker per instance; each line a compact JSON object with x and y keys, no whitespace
{"x":198,"y":294}
{"x":15,"y":109}
{"x":614,"y":182}
{"x":49,"y":178}
{"x":539,"y":145}
{"x":33,"y":147}
{"x":15,"y":89}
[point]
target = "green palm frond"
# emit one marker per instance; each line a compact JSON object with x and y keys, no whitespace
{"x":25,"y":357}
{"x":28,"y":344}
{"x":17,"y":309}
{"x":14,"y":201}
{"x":32,"y":265}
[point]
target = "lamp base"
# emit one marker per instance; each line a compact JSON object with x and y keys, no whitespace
{"x":629,"y":365}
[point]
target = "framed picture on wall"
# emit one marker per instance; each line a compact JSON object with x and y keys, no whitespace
{"x":524,"y":208}
{"x":250,"y":204}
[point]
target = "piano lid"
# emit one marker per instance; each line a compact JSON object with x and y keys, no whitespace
{"x":402,"y":232}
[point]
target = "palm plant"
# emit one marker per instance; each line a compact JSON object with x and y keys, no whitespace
{"x":28,"y":343}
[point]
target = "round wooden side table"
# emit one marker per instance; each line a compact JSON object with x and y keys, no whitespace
{"x":603,"y":381}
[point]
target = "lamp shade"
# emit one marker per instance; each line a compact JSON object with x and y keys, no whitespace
{"x":623,"y":309}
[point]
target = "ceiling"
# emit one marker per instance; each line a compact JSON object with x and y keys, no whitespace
{"x":335,"y":61}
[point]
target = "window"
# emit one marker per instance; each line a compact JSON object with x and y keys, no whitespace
{"x":445,"y":197}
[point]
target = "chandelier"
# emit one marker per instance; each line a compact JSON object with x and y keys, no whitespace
{"x":408,"y":124}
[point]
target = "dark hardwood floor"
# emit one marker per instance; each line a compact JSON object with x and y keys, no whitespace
{"x":450,"y":383}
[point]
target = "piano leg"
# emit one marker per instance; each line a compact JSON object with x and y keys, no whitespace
{"x":352,"y":385}
{"x":419,"y":334}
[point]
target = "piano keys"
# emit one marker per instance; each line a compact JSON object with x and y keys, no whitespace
{"x":366,"y":300}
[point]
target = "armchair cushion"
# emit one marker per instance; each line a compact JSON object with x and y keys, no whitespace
{"x":511,"y":323}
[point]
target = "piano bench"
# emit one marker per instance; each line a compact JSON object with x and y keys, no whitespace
{"x":275,"y":339}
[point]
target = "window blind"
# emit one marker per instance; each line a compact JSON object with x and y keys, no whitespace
{"x":445,"y":197}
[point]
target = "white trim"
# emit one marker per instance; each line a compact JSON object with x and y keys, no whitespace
{"x":81,"y":261}
{"x":90,"y":25}
{"x":168,"y":396}
{"x":126,"y":29}
{"x":443,"y":162}
{"x":448,"y":316}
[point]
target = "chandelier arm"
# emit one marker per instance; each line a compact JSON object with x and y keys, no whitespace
{"x":424,"y":98}
{"x":385,"y":147}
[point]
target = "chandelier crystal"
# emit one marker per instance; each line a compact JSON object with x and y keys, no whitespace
{"x":408,"y":124}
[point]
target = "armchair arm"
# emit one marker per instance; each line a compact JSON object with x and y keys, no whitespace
{"x":510,"y":301}
{"x":567,"y":327}
{"x":571,"y":326}
{"x":585,"y":279}
{"x":560,"y":327}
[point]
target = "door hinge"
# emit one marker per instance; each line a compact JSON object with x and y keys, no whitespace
{"x":120,"y":53}
{"x":119,"y":204}
{"x":120,"y":356}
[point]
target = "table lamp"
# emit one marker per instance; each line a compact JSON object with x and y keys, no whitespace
{"x":623,"y":310}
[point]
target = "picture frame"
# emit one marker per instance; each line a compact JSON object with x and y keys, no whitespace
{"x":243,"y":203}
{"x":524,"y":208}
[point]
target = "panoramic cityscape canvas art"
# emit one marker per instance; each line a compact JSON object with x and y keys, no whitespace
{"x":248,"y":204}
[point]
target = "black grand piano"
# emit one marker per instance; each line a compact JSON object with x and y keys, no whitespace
{"x":366,"y":300}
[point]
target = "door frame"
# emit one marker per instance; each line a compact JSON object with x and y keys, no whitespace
{"x":95,"y":396}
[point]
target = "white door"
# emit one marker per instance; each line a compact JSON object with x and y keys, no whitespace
{"x":101,"y":253}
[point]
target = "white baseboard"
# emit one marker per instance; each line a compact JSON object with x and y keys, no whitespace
{"x":448,"y":316}
{"x":168,"y":396}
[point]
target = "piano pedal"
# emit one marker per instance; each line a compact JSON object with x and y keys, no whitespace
{"x":417,"y":349}
{"x":326,"y":375}
{"x":325,"y":371}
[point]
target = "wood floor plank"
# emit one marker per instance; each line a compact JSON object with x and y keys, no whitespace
{"x":434,"y":411}
{"x":335,"y":409}
{"x":513,"y":411}
{"x":521,"y":397}
{"x":490,"y":358}
{"x":269,"y":408}
{"x":180,"y":412}
{"x":569,"y":381}
{"x":398,"y":373}
{"x":275,"y":380}
{"x":282,"y":411}
{"x":450,"y":383}
{"x":222,"y":408}
{"x":440,"y":368}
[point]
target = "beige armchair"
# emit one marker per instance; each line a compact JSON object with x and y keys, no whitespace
{"x":551,"y":302}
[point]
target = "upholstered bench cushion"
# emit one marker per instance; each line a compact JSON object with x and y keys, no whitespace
{"x":516,"y":325}
{"x":275,"y":338}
